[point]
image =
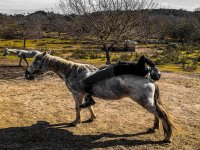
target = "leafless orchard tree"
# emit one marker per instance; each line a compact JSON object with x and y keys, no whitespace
{"x":58,"y":23}
{"x":161,"y":26}
{"x":197,"y":9}
{"x":7,"y":27}
{"x":29,"y":28}
{"x":108,"y":20}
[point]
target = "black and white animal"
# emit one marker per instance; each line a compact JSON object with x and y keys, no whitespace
{"x":22,"y":54}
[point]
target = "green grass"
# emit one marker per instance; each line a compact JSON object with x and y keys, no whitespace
{"x":68,"y":49}
{"x":177,"y":68}
{"x":12,"y":57}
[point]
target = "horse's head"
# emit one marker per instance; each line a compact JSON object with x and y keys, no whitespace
{"x":5,"y":52}
{"x":36,"y":67}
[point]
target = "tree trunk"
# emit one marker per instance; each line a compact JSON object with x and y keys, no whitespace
{"x":107,"y":50}
{"x":108,"y":57}
{"x":24,"y":43}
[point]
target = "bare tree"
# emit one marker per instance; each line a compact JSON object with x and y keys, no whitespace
{"x":7,"y":27}
{"x":58,"y":23}
{"x":108,"y":20}
{"x":29,"y":28}
{"x":197,"y":9}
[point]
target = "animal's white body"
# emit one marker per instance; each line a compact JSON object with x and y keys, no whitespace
{"x":22,"y":54}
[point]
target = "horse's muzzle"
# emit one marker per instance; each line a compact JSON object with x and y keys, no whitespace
{"x":28,"y":75}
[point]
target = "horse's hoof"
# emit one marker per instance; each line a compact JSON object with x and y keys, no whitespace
{"x":167,"y":141}
{"x":88,"y":121}
{"x":94,"y":117}
{"x":72,"y":125}
{"x":151,"y":130}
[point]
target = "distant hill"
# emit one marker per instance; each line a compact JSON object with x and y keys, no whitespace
{"x":180,"y":22}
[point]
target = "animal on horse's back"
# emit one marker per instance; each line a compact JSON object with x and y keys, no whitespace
{"x":22,"y":54}
{"x":140,"y":89}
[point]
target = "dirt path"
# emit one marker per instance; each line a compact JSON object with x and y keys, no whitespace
{"x":34,"y":115}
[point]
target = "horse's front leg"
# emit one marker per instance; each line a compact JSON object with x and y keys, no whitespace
{"x":78,"y":101}
{"x":20,"y":62}
{"x":26,"y":61}
{"x":93,"y":115}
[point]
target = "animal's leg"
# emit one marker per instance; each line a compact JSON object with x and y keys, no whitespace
{"x":157,"y":109}
{"x":148,"y":103}
{"x":161,"y":113}
{"x":78,"y":101}
{"x":93,"y":115}
{"x":155,"y":125}
{"x":26,"y":61}
{"x":20,"y":61}
{"x":168,"y":123}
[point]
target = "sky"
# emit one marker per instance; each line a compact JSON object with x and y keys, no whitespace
{"x":183,"y":4}
{"x":25,"y":6}
{"x":29,"y":6}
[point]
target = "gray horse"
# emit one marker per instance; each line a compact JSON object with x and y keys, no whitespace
{"x":140,"y":89}
{"x":22,"y":54}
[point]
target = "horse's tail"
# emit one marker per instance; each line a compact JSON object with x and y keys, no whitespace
{"x":168,"y":124}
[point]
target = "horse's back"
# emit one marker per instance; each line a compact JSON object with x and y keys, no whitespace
{"x":124,"y":86}
{"x":29,"y":54}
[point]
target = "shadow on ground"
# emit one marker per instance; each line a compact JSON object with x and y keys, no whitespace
{"x":42,"y":135}
{"x":11,"y":72}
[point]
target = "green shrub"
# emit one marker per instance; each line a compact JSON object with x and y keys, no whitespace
{"x":122,"y":57}
{"x":191,"y":66}
{"x":198,"y":58}
{"x":183,"y":62}
{"x":82,"y":54}
{"x":79,"y":54}
{"x":171,"y":56}
{"x":159,"y":61}
{"x":126,"y":57}
{"x":172,"y":46}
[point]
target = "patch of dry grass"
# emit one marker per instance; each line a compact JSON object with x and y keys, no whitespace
{"x":35,"y":115}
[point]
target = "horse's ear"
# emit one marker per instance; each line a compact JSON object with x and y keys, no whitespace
{"x":44,"y":53}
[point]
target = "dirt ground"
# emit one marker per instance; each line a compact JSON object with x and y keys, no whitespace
{"x":36,"y":115}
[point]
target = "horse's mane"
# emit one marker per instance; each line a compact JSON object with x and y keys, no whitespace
{"x":20,"y":50}
{"x":12,"y":50}
{"x":60,"y":64}
{"x":16,"y":50}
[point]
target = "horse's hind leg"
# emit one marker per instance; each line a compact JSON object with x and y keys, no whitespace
{"x":166,"y":121}
{"x":155,"y":125}
{"x":157,"y":109}
{"x":160,"y":113}
{"x":168,"y":124}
